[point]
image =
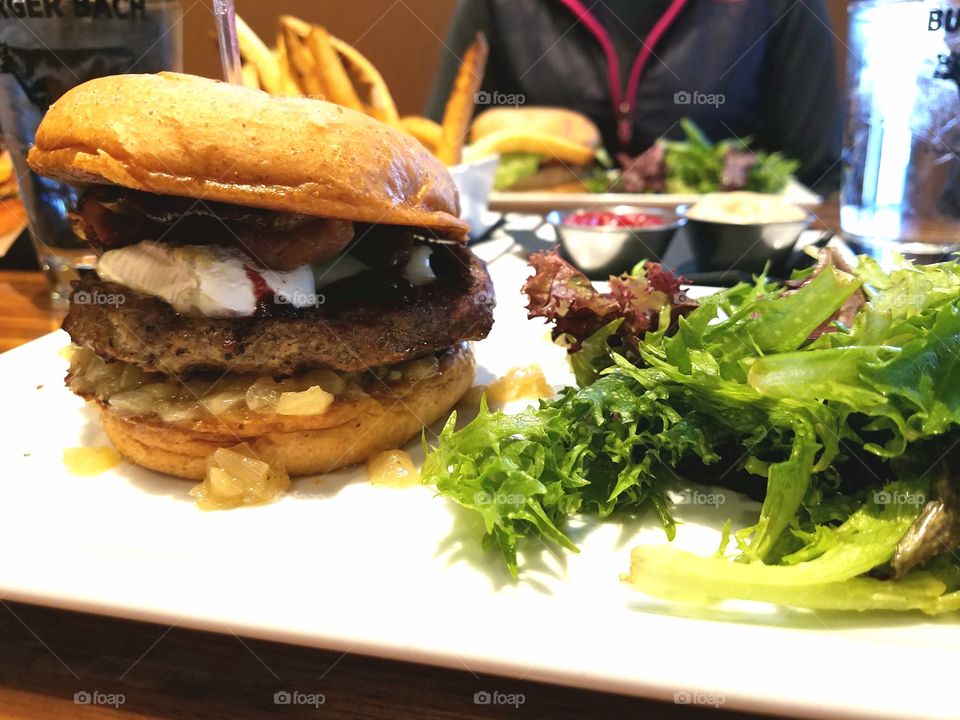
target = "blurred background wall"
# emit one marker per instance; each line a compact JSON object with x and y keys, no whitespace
{"x":403,"y":38}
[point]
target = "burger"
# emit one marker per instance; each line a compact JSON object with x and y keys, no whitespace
{"x":13,"y":217}
{"x":281,"y":275}
{"x":541,"y":148}
{"x":8,"y":179}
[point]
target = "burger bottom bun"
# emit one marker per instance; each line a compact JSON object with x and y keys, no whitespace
{"x":370,"y":424}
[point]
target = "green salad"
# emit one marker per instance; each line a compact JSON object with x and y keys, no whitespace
{"x":692,"y":166}
{"x":697,"y":165}
{"x":515,"y":167}
{"x":834,"y":399}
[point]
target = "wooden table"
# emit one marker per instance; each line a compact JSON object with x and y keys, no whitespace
{"x":26,"y":310}
{"x":49,"y":655}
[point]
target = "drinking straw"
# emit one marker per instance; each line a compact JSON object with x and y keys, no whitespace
{"x":227,"y":36}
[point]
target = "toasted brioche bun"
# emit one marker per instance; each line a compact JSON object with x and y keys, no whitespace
{"x":567,"y":124}
{"x":174,"y":134}
{"x":514,"y":141}
{"x":351,"y":431}
{"x":556,"y":133}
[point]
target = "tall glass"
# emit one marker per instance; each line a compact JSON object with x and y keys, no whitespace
{"x":901,"y":187}
{"x":48,"y":47}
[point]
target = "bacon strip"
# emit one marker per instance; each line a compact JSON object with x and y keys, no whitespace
{"x":113,"y":217}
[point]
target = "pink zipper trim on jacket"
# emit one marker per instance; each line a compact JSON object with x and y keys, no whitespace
{"x":624,"y":108}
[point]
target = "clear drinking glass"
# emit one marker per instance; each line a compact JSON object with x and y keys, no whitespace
{"x":901,"y":188}
{"x":48,"y":47}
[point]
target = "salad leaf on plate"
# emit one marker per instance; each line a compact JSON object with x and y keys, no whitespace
{"x":696,"y":165}
{"x":514,"y":167}
{"x":527,"y":474}
{"x":648,"y":298}
{"x":832,"y":398}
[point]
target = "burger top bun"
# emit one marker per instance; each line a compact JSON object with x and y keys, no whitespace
{"x":558,"y":123}
{"x":175,"y":134}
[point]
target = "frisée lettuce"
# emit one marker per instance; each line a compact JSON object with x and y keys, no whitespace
{"x":833,"y":398}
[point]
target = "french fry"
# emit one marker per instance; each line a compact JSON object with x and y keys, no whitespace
{"x":251,"y":77}
{"x":336,"y":84}
{"x":308,"y":60}
{"x":423,"y":129}
{"x":459,"y":109}
{"x":288,"y":83}
{"x":296,"y":25}
{"x":254,"y":51}
{"x":374,"y":94}
{"x":300,"y":60}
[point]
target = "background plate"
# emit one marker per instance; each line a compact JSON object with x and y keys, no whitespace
{"x":541,"y":202}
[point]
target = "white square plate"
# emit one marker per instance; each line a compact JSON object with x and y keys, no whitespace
{"x":341,"y":564}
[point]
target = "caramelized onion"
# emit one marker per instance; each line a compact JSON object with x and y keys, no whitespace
{"x":312,"y":401}
{"x":239,"y":476}
{"x":135,"y":392}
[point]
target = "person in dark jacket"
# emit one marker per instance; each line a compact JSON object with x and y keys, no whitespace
{"x":765,"y":69}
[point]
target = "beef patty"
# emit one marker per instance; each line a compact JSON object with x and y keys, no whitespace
{"x":354,"y":330}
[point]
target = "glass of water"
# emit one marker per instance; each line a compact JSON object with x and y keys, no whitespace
{"x":46,"y":49}
{"x":901,"y":189}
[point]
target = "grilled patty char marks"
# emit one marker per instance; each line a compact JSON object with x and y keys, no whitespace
{"x":350,"y":332}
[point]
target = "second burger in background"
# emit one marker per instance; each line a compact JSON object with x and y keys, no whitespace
{"x":283,"y":285}
{"x":540,"y":148}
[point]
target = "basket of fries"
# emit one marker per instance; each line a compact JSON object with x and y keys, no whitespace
{"x":309,"y":61}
